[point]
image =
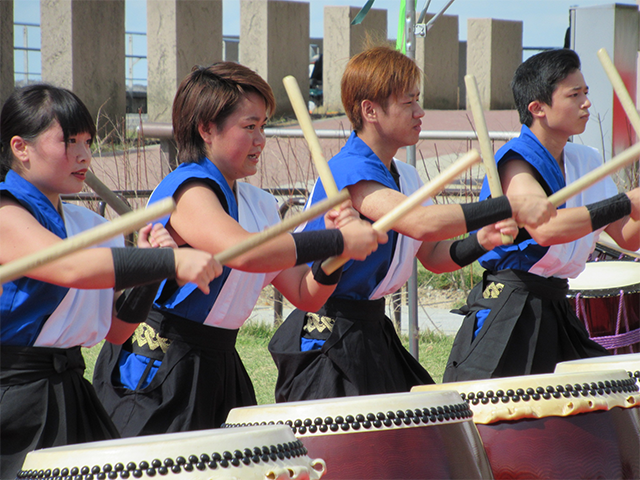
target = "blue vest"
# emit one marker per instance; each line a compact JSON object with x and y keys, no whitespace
{"x":354,"y":163}
{"x":188,"y":301}
{"x":25,"y":303}
{"x":524,"y":255}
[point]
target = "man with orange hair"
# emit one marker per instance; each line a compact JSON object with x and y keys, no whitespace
{"x":349,"y":347}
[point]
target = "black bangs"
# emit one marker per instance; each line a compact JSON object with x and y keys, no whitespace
{"x":72,"y":115}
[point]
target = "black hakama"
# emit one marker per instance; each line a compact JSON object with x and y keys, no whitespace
{"x":531,"y":327}
{"x":46,"y":402}
{"x":200,"y":380}
{"x":363,"y":355}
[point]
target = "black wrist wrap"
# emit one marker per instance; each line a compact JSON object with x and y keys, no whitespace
{"x":134,"y":304}
{"x":322,"y":278}
{"x":317,"y":245}
{"x":608,"y":211}
{"x":140,"y":266}
{"x":481,"y":214}
{"x":467,"y":250}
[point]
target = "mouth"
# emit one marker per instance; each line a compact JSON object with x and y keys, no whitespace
{"x":254,"y":157}
{"x":80,"y":174}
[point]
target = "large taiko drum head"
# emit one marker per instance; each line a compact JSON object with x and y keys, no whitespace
{"x":256,"y":453}
{"x":391,"y":436}
{"x":629,"y":362}
{"x":606,"y":296}
{"x":579,"y":425}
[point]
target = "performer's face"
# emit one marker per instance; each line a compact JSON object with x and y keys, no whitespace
{"x":235,"y":149}
{"x":569,"y":111}
{"x":53,"y":165}
{"x":400,"y":122}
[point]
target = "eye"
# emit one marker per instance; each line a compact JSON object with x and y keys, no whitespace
{"x":251,"y":127}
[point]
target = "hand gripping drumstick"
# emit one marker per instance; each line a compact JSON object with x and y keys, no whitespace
{"x":488,"y":159}
{"x":620,"y":89}
{"x":282,"y":227}
{"x":106,"y":194}
{"x":304,"y":119}
{"x":124,"y":224}
{"x":388,"y":220}
{"x":621,"y":160}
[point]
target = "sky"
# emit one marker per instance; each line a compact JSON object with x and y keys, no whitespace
{"x":544,"y":21}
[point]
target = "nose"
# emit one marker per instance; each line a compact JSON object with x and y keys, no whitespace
{"x":260,"y":138}
{"x":586,"y":103}
{"x":418,"y":111}
{"x":82,"y":152}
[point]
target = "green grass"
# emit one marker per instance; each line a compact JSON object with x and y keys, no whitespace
{"x":252,"y":344}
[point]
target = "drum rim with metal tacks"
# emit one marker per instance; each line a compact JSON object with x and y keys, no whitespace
{"x":535,"y":396}
{"x":250,"y":453}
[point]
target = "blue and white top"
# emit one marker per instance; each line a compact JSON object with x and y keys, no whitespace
{"x":233,"y":294}
{"x":36,"y":313}
{"x":565,"y":260}
{"x":389,"y":267}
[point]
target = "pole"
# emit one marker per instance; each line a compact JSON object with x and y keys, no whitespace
{"x":412,"y":287}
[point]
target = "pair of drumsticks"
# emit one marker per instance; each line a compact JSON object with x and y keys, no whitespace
{"x":132,"y":221}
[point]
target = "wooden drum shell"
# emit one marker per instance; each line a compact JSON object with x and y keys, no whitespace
{"x":382,"y":441}
{"x":586,"y":433}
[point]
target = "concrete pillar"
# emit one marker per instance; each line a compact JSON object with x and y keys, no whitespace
{"x":494,"y":51}
{"x":6,"y":50}
{"x":180,"y":34}
{"x":83,"y":50}
{"x":437,"y":56}
{"x":342,"y":41}
{"x":462,"y":71}
{"x":274,"y":41}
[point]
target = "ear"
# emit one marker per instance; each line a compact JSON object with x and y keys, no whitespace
{"x":369,"y":113}
{"x":207,"y":131}
{"x":19,"y":148}
{"x":537,"y":109}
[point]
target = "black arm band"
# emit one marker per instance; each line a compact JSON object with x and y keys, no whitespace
{"x":322,"y":278}
{"x":608,"y":211}
{"x":467,"y":250}
{"x":317,"y":245}
{"x":134,"y":305}
{"x":140,"y":266}
{"x":480,"y":214}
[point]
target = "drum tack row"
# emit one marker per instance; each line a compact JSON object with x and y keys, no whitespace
{"x":581,"y":422}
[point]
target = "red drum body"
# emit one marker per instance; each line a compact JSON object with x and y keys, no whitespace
{"x":581,"y":425}
{"x":256,"y":453}
{"x":606,"y":297}
{"x":393,"y":436}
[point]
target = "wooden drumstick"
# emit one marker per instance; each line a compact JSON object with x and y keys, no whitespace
{"x":618,"y":162}
{"x":488,"y":160}
{"x":389,"y":219}
{"x":620,"y":89}
{"x":124,"y":225}
{"x":286,"y":225}
{"x":106,"y":194}
{"x":304,"y":119}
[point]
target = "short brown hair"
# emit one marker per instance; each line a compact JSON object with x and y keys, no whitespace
{"x":376,"y":74}
{"x":211,"y":95}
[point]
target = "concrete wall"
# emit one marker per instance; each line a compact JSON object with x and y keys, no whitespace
{"x":608,"y":129}
{"x":437,"y":56}
{"x":342,"y":41}
{"x":274,"y":41}
{"x":83,"y":50}
{"x":180,"y":34}
{"x":6,"y":50}
{"x":494,"y":51}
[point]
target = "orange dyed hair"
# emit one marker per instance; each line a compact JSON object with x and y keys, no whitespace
{"x":375,"y":75}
